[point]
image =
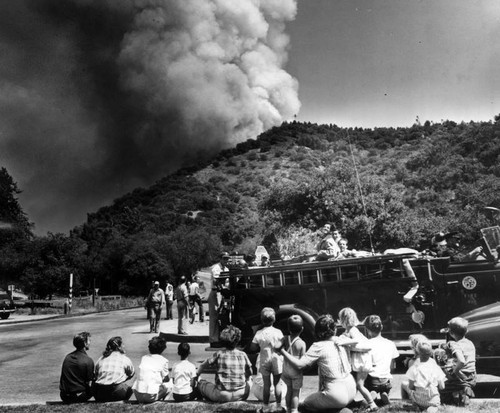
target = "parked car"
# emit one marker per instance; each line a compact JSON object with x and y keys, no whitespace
{"x":6,"y":305}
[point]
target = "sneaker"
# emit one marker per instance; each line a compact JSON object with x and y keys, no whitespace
{"x":464,"y":400}
{"x":431,"y":409}
{"x":384,"y":398}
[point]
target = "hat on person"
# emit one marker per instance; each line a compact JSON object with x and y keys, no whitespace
{"x":156,"y":283}
{"x":224,"y":255}
{"x":439,"y":239}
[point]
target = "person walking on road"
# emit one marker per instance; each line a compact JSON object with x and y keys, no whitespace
{"x":182,"y":296}
{"x":195,"y":299}
{"x":77,"y":372}
{"x":215,"y":299}
{"x":169,"y":300}
{"x":155,"y":301}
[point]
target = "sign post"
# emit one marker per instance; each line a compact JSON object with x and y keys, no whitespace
{"x":70,"y":298}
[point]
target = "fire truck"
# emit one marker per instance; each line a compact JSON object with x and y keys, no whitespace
{"x":379,"y":284}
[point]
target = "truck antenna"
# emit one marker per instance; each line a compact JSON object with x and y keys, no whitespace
{"x":360,"y":190}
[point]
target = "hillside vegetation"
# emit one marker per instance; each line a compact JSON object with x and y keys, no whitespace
{"x":382,"y":187}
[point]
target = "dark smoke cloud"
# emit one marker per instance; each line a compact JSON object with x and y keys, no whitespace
{"x":99,"y":97}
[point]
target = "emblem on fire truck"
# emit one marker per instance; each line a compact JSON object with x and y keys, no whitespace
{"x":469,"y":282}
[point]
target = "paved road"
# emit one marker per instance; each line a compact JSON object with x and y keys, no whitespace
{"x":32,"y":352}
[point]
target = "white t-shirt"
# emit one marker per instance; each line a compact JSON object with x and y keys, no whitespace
{"x":169,"y":292}
{"x":182,"y":374}
{"x":194,"y":288}
{"x":152,"y":370}
{"x":216,"y":269}
{"x":268,"y":338}
{"x":426,"y":374}
{"x":383,"y":351}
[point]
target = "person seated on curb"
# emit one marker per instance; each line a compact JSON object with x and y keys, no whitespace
{"x":113,"y":371}
{"x":153,"y":382}
{"x":425,"y":379}
{"x":460,"y":368}
{"x":184,"y":376}
{"x":77,"y":372}
{"x":383,"y":352}
{"x":233,"y":370}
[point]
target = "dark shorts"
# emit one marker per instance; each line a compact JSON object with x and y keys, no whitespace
{"x":457,"y":389}
{"x":378,"y":385}
{"x":76,"y":397}
{"x":184,"y":397}
{"x":112,"y":392}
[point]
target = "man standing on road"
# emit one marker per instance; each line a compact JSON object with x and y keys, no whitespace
{"x":169,"y":300}
{"x":182,"y":296}
{"x":77,"y":372}
{"x":195,"y":299}
{"x":215,"y":299}
{"x":155,"y":301}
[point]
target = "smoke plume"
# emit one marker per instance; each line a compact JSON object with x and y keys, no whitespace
{"x":101,"y":96}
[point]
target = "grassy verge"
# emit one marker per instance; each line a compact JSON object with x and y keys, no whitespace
{"x":477,"y":405}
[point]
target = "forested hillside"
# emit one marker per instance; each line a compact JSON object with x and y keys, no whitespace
{"x":382,"y":187}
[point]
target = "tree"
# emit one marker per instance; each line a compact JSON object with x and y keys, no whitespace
{"x":14,"y":223}
{"x":142,"y":265}
{"x":51,"y":260}
{"x":190,"y":249}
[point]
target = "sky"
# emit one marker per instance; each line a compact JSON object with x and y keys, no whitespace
{"x":98,"y":97}
{"x":375,"y":63}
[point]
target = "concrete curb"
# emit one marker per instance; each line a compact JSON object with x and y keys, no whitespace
{"x":473,"y":402}
{"x":180,"y":338}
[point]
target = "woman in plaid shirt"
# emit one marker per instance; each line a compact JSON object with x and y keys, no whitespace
{"x":233,"y":369}
{"x":113,"y":371}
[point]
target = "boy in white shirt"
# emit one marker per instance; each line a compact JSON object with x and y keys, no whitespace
{"x":383,"y":353}
{"x":425,"y":379}
{"x":271,"y":363}
{"x":184,"y":376}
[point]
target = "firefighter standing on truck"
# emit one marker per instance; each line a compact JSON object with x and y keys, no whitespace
{"x":214,"y":299}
